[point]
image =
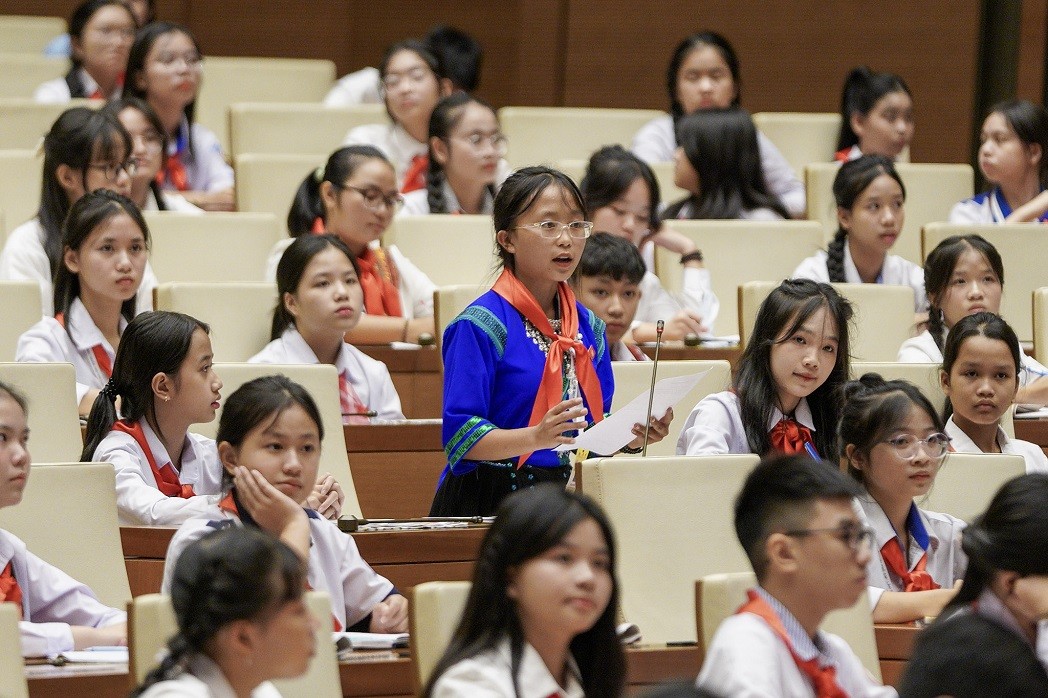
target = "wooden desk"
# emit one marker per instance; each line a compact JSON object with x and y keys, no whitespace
{"x":406,"y":558}
{"x":894,"y":647}
{"x":676,"y":351}
{"x":417,"y":375}
{"x":80,"y":680}
{"x":1034,"y":431}
{"x":395,"y":467}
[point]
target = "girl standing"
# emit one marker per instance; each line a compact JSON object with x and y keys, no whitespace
{"x":785,"y":395}
{"x":876,"y":115}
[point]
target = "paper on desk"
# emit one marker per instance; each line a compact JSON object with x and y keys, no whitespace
{"x":616,"y":430}
{"x":370,"y":641}
{"x":109,"y":655}
{"x":1039,"y":413}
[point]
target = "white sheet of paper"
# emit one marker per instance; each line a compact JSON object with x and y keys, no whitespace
{"x":616,"y":430}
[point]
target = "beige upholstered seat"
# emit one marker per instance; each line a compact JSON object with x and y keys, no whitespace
{"x":24,"y":122}
{"x":227,"y":81}
{"x":1023,"y":246}
{"x":27,"y":33}
{"x":19,"y":185}
{"x":737,"y":252}
{"x":449,"y":301}
{"x":634,"y":377}
{"x":801,"y":137}
{"x":718,"y":596}
{"x":435,"y":612}
{"x":967,"y":482}
{"x":322,"y":383}
{"x":22,"y":73}
{"x":12,"y":670}
{"x":84,"y":541}
{"x":240,"y":315}
{"x":673,"y":520}
{"x":1040,"y":324}
{"x":21,"y":303}
{"x":297,"y":128}
{"x":544,"y":135}
{"x":54,"y":420}
{"x":924,"y":376}
{"x":882,"y":321}
{"x":931,"y":191}
{"x":449,"y":249}
{"x":267,"y":183}
{"x":218,"y":247}
{"x":668,"y":191}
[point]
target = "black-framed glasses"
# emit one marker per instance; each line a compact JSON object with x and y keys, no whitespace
{"x":906,"y":445}
{"x":112,"y":170}
{"x":857,"y":538}
{"x":375,"y":199}
{"x":551,"y":230}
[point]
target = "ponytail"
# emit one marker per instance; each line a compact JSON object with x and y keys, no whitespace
{"x":862,"y":89}
{"x":307,"y":205}
{"x":835,"y":256}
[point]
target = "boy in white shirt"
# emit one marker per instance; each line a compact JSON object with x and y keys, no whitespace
{"x":795,"y":519}
{"x":607,"y":280}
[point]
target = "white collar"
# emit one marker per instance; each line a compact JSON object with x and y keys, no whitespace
{"x":885,"y":532}
{"x":160,"y":454}
{"x":802,"y":415}
{"x":83,"y":331}
{"x":297,"y":345}
{"x":534,"y":679}
{"x":962,"y":443}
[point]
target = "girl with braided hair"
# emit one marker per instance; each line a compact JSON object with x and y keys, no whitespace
{"x":242,"y":620}
{"x":870,"y":196}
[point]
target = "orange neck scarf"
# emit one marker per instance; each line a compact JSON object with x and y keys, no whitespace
{"x":823,"y":679}
{"x":789,"y":436}
{"x":551,"y":388}
{"x":173,"y":171}
{"x":99,"y":351}
{"x":10,"y":592}
{"x":165,"y":475}
{"x":918,"y":579}
{"x":415,"y":177}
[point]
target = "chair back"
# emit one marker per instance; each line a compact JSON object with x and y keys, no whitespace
{"x":668,"y":190}
{"x":674,"y":523}
{"x":296,"y":128}
{"x":540,"y":135}
{"x":24,"y":122}
{"x":22,"y":73}
{"x":449,"y":301}
{"x":21,"y":303}
{"x":28,"y":33}
{"x":1040,"y":324}
{"x":240,"y":315}
{"x":449,"y":249}
{"x":435,"y":611}
{"x":20,"y":183}
{"x":801,"y":137}
{"x":266,"y":183}
{"x":967,"y":482}
{"x":216,"y":248}
{"x":150,"y":625}
{"x":54,"y":418}
{"x":12,"y":670}
{"x":84,"y":541}
{"x":321,"y":680}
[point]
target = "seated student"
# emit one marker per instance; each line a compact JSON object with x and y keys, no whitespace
{"x":704,"y":74}
{"x":144,"y":12}
{"x":1012,"y":149}
{"x":354,"y":198}
{"x":413,"y":82}
{"x":621,"y":195}
{"x":242,"y":620}
{"x":980,"y":376}
{"x":964,"y":275}
{"x":58,"y":613}
{"x":893,"y":442}
{"x":466,"y":166}
{"x":457,"y":51}
{"x":540,"y":617}
{"x":870,"y":198}
{"x":785,"y":395}
{"x":149,"y":149}
{"x":795,"y":520}
{"x":608,"y":282}
{"x":991,"y":640}
{"x":718,"y":161}
{"x":164,"y":70}
{"x":320,"y":300}
{"x":84,"y":150}
{"x":101,"y":32}
{"x":104,"y":242}
{"x":269,"y":441}
{"x":876,"y":115}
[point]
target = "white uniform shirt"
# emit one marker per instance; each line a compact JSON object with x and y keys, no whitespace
{"x":394,"y":142}
{"x":686,"y":213}
{"x":1036,"y":461}
{"x":656,"y":303}
{"x":57,"y":91}
{"x":47,"y":341}
{"x":204,"y":679}
{"x":139,"y":501}
{"x":51,"y":601}
{"x":984,"y":208}
{"x":206,"y":167}
{"x":335,"y":565}
{"x":416,"y":203}
{"x":369,"y":377}
{"x":714,"y":427}
{"x":490,"y":675}
{"x":174,"y":201}
{"x":946,"y":561}
{"x":362,"y":86}
{"x":416,"y":289}
{"x":895,"y":272}
{"x":24,"y":259}
{"x":656,"y":141}
{"x":922,"y":349}
{"x":747,"y":659}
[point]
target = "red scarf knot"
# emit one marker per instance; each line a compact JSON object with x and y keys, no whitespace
{"x":789,"y":436}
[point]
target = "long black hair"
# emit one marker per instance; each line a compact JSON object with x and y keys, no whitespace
{"x":307,"y":206}
{"x":115,"y":106}
{"x":722,"y":146}
{"x":938,"y":272}
{"x":681,"y":53}
{"x":528,"y":523}
{"x":610,"y":172}
{"x":519,"y":192}
{"x":293,"y":265}
{"x":984,"y":324}
{"x":863,"y":88}
{"x":851,"y":181}
{"x":237,"y":573}
{"x":781,"y":314}
{"x":445,"y":117}
{"x":77,"y":23}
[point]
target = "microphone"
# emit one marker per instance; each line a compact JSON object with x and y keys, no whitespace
{"x":659,"y":327}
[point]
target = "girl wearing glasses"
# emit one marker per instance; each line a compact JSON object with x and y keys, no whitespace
{"x":164,"y":70}
{"x":413,"y":82}
{"x":893,"y":442}
{"x":85,"y":150}
{"x":101,"y":32}
{"x":980,"y":376}
{"x":525,"y":364}
{"x":354,"y":197}
{"x":149,"y":149}
{"x":466,"y":149}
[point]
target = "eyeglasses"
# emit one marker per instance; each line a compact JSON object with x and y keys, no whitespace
{"x":906,"y":445}
{"x":477,"y":141}
{"x":375,"y":199}
{"x":857,"y":538}
{"x":112,"y":170}
{"x":551,"y":230}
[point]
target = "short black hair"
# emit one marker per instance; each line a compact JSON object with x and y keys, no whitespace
{"x":459,"y":53}
{"x":609,"y":255}
{"x":779,"y":495}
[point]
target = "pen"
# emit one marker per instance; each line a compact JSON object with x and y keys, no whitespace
{"x":811,"y":451}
